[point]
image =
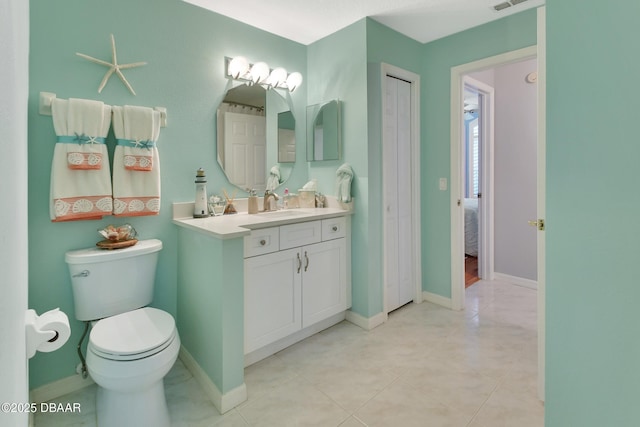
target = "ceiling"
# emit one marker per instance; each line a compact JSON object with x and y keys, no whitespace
{"x":306,"y":21}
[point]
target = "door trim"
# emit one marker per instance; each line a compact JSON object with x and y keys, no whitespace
{"x":485,"y":204}
{"x":541,"y":198}
{"x":416,"y":257}
{"x":457,"y":193}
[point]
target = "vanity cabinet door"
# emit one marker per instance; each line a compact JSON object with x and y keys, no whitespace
{"x":324,"y":281}
{"x":271,"y":298}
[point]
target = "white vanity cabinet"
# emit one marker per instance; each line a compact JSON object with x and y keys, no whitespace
{"x":295,"y":278}
{"x":271,"y":298}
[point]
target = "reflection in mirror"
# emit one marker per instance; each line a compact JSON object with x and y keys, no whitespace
{"x":286,"y":138}
{"x":323,"y":131}
{"x":249,"y":132}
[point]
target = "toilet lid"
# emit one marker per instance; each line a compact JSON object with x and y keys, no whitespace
{"x":133,"y":333}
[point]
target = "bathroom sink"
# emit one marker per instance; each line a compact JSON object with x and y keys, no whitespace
{"x":282,"y":213}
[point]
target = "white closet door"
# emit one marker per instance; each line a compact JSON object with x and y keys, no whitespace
{"x":397,"y":191}
{"x":403,"y":171}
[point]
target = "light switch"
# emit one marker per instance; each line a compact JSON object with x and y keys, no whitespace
{"x":443,"y":184}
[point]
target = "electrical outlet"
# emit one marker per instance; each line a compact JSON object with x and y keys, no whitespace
{"x":443,"y":184}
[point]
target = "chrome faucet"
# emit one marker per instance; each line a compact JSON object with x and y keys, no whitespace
{"x":268,"y":195}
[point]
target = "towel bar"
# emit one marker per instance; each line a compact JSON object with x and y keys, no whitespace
{"x":46,"y":99}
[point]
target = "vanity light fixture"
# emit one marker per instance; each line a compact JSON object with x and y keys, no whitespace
{"x":239,"y":68}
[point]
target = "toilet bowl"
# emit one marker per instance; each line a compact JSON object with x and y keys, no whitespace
{"x":131,"y":346}
{"x":128,"y":356}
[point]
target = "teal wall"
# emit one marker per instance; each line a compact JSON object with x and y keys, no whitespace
{"x":185,"y":48}
{"x":337,"y":66}
{"x":592,"y":291}
{"x":210,"y":305}
{"x":497,"y":37}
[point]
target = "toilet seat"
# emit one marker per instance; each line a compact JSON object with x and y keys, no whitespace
{"x":132,"y":335}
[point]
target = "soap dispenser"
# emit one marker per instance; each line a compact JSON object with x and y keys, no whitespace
{"x":201,"y":209}
{"x":252,"y":202}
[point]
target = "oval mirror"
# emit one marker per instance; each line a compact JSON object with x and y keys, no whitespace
{"x":256,"y":137}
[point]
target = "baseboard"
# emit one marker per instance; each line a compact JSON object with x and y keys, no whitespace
{"x":59,"y":388}
{"x":222,"y":402}
{"x":366,"y":323}
{"x":519,"y":281}
{"x":437,"y":299}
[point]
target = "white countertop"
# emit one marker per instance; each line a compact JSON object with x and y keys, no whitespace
{"x":241,"y":224}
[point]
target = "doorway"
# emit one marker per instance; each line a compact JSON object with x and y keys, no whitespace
{"x":539,"y":79}
{"x":487,"y":180}
{"x":477,"y":178}
{"x":401,"y":187}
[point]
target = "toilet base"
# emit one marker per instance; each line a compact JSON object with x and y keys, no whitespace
{"x":141,"y":408}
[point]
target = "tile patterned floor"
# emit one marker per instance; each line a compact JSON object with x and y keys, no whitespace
{"x":426,"y":366}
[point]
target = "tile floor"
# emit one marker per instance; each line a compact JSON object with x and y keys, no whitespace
{"x":426,"y":366}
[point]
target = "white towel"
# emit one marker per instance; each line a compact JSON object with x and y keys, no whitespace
{"x":82,"y":125}
{"x":139,"y":135}
{"x":136,"y":184}
{"x":80,"y":176}
{"x":344,"y":175}
{"x":273,"y":181}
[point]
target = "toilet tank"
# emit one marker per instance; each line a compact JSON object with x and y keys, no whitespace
{"x":109,"y":282}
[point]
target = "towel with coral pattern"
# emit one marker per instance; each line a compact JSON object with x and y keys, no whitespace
{"x":80,"y":176}
{"x":136,"y":162}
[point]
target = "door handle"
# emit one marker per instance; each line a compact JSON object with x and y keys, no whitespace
{"x":306,"y":258}
{"x":539,"y":224}
{"x":299,"y":262}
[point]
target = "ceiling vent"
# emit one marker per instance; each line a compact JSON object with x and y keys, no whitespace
{"x":506,"y":4}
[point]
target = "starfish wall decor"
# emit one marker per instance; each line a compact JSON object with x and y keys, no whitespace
{"x":114,"y":67}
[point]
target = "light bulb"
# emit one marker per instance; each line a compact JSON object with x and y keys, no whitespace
{"x":277,"y":77}
{"x":238,"y":67}
{"x":259,"y":72}
{"x":294,"y":80}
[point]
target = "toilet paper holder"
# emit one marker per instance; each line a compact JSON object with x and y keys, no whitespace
{"x":47,"y":332}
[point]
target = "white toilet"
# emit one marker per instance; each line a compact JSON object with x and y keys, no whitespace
{"x":131,"y":347}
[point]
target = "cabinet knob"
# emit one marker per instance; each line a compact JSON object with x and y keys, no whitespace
{"x":263,"y":242}
{"x":334,"y":228}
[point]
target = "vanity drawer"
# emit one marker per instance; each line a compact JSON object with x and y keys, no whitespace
{"x":261,"y":242}
{"x":333,"y":228}
{"x":303,"y":233}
